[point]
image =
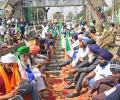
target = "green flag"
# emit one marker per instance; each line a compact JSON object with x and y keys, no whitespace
{"x":60,"y":26}
{"x":67,"y":42}
{"x":91,"y":23}
{"x":81,"y":18}
{"x":54,"y":31}
{"x":49,"y":30}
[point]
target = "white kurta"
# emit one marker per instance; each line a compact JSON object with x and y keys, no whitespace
{"x":81,"y":54}
{"x":102,"y":72}
{"x":38,"y":76}
{"x":73,"y":45}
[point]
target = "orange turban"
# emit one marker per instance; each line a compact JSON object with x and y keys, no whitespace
{"x":34,"y":49}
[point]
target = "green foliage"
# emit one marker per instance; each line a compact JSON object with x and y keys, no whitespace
{"x":80,"y":15}
{"x":70,"y":16}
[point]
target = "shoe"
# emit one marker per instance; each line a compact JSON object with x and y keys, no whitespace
{"x":69,"y":87}
{"x":72,"y":95}
{"x":69,"y":77}
{"x":70,"y":82}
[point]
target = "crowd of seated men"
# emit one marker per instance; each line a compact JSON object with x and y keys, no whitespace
{"x":22,"y":73}
{"x":90,"y":65}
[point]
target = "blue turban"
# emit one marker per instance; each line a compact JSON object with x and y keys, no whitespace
{"x":105,"y":54}
{"x":87,"y":39}
{"x":83,"y":40}
{"x":94,"y":48}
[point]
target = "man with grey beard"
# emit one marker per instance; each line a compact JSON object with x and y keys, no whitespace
{"x":82,"y":69}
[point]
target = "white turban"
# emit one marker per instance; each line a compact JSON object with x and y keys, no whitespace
{"x":9,"y":58}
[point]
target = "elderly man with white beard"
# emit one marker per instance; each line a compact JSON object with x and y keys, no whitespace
{"x":82,"y":69}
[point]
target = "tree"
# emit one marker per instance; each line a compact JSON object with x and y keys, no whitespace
{"x":79,"y":15}
{"x":109,"y":12}
{"x":70,"y":16}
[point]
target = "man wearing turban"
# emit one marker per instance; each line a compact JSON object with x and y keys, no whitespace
{"x":11,"y":85}
{"x":82,"y":69}
{"x":82,"y":52}
{"x":27,"y":69}
{"x":77,"y":56}
{"x":37,"y":58}
{"x":108,"y":88}
{"x":102,"y":70}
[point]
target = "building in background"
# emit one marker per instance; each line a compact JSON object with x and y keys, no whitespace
{"x":57,"y":17}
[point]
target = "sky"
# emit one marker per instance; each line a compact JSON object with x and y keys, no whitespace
{"x":66,"y":10}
